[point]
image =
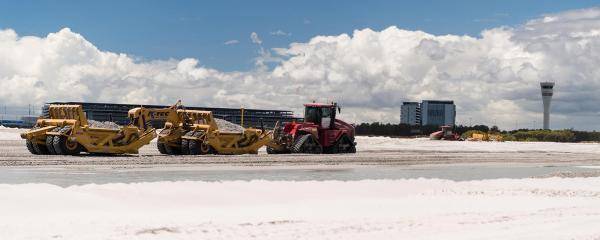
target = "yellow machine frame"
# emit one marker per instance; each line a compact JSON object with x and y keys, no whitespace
{"x":66,"y":131}
{"x":196,"y":132}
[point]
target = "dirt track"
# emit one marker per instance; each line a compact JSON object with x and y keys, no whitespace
{"x":14,"y":153}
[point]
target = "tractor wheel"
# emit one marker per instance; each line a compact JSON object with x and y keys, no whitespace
{"x":199,"y":146}
{"x":171,"y":150}
{"x":307,"y":144}
{"x":39,"y":148}
{"x":161,"y":147}
{"x":185,"y":143}
{"x":64,"y":146}
{"x":271,"y":150}
{"x":333,"y":149}
{"x":50,"y":142}
{"x":30,"y":148}
{"x":346,"y":145}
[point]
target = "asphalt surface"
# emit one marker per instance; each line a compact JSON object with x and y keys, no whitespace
{"x":14,"y":153}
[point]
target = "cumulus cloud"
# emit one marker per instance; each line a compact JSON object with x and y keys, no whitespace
{"x":231,"y":42}
{"x":255,"y":39}
{"x":493,"y":78}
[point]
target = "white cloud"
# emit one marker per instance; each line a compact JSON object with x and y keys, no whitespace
{"x":493,"y":78}
{"x":231,"y":42}
{"x":280,"y":32}
{"x":255,"y":39}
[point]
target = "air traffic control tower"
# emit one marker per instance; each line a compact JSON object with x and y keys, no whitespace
{"x":547,"y":90}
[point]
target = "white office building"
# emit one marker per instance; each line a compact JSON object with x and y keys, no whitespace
{"x":410,"y":113}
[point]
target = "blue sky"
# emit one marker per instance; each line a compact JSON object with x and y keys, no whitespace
{"x":199,"y":29}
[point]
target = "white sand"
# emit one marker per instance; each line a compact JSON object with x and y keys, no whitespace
{"x":424,"y":144}
{"x":551,"y":208}
{"x":10,"y":133}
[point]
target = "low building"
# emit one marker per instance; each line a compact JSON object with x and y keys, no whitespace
{"x":117,"y":113}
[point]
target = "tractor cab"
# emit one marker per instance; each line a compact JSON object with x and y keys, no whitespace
{"x":320,"y":114}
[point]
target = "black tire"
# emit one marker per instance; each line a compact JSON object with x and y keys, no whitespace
{"x":299,"y":142}
{"x":270,"y":150}
{"x":161,"y":147}
{"x":346,"y":145}
{"x":353,"y":149}
{"x":30,"y":148}
{"x":307,"y":144}
{"x":39,"y":148}
{"x":333,"y":149}
{"x":62,"y":145}
{"x":199,"y":147}
{"x":185,"y":145}
{"x":172,"y":150}
{"x":34,"y":147}
{"x":50,"y":141}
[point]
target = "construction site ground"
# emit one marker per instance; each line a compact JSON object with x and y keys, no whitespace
{"x":14,"y":153}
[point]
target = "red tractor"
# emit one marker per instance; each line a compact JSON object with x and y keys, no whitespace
{"x":445,"y":133}
{"x":320,"y":132}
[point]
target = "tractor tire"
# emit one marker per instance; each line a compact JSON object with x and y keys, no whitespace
{"x":185,"y":143}
{"x":30,"y":148}
{"x":198,"y":147}
{"x":352,"y":149}
{"x":346,"y":145}
{"x":40,"y":148}
{"x":299,"y":142}
{"x":333,"y":149}
{"x":271,"y":150}
{"x":35,"y":148}
{"x":307,"y":144}
{"x":172,"y":150}
{"x":50,"y":141}
{"x":62,"y":145}
{"x":161,"y":147}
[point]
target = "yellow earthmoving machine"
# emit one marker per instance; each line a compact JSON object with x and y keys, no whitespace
{"x":65,"y":131}
{"x":196,"y":132}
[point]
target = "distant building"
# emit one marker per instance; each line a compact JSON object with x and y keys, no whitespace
{"x":410,"y":113}
{"x":547,"y":91}
{"x":118,"y":113}
{"x":434,"y":112}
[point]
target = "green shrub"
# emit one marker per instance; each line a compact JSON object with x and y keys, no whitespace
{"x":545,"y":135}
{"x":508,"y":137}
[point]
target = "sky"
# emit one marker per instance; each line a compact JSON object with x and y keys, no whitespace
{"x":201,"y":29}
{"x":369,"y":56}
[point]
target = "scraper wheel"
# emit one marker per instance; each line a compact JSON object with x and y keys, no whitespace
{"x":161,"y":147}
{"x":199,"y":146}
{"x":185,"y":143}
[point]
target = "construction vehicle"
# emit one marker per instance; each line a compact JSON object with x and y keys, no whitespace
{"x":197,"y":132}
{"x":65,"y":130}
{"x":320,"y":132}
{"x":445,"y":133}
{"x":486,"y":137}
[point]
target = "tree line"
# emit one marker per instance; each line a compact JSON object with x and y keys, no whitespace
{"x":405,"y":130}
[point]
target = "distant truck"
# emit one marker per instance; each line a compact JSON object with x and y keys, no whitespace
{"x":445,"y":133}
